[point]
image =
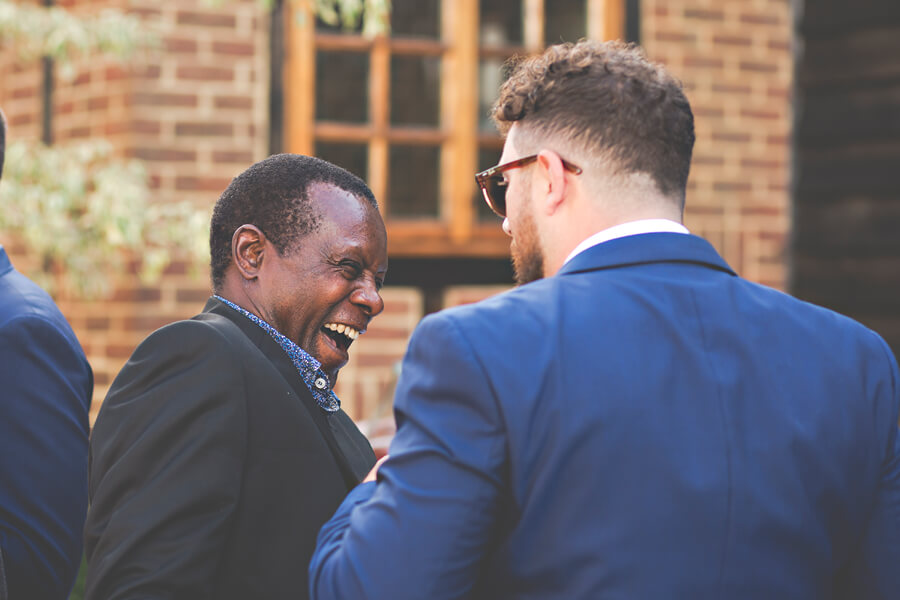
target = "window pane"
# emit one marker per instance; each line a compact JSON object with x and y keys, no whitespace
{"x":342,"y":86}
{"x":415,"y":90}
{"x":487,"y":158}
{"x":419,"y":18}
{"x":353,"y":157}
{"x":414,"y":181}
{"x":492,"y":72}
{"x":566,"y":21}
{"x":323,"y":27}
{"x":501,"y":22}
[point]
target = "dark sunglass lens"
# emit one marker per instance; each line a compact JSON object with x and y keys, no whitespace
{"x":497,"y":190}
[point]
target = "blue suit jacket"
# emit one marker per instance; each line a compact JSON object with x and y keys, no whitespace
{"x":45,"y":395}
{"x":643,"y":425}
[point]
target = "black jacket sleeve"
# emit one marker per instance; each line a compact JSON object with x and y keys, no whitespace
{"x":165,"y":467}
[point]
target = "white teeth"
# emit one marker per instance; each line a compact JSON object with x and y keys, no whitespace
{"x":344,"y":329}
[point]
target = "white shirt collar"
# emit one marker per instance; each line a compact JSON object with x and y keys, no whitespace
{"x":626,"y":229}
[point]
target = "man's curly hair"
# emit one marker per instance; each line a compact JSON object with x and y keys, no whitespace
{"x":272,"y":194}
{"x":609,"y":100}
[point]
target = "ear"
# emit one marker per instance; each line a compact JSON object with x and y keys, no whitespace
{"x":554,"y":178}
{"x":248,"y":246}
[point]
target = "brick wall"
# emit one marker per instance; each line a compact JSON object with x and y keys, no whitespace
{"x":734,"y":57}
{"x":195,"y":111}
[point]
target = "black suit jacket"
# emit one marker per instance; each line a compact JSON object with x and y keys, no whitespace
{"x":212,"y":468}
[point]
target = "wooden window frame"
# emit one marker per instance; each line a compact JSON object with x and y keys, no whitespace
{"x":457,"y":231}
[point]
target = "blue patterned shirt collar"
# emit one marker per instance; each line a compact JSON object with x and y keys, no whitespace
{"x":310,"y":369}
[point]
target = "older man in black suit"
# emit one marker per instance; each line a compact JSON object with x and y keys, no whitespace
{"x":221,"y":449}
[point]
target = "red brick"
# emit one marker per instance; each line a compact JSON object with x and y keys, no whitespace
{"x":237,"y":102}
{"x":79,"y":132}
{"x":758,"y":67}
{"x":732,"y":186}
{"x":756,"y":18}
{"x":732,"y":40}
{"x":165,"y":99}
{"x":205,"y":19}
{"x":206,"y":184}
{"x":193,"y":296}
{"x":205,"y":73}
{"x":175,"y":45}
{"x":729,"y":88}
{"x":204,"y":129}
{"x":704,"y":15}
{"x":25,"y":92}
{"x":709,"y":112}
{"x":145,"y":323}
{"x":713,"y":161}
{"x":150,"y":72}
{"x":239,"y":157}
{"x":760,"y":114}
{"x":675,"y":36}
{"x":736,"y":137}
{"x":164,"y":154}
{"x":768,"y":164}
{"x":115,"y":73}
{"x":703,"y":61}
{"x":119,"y":350}
{"x":146,"y":127}
{"x":98,"y":103}
{"x":234,"y":48}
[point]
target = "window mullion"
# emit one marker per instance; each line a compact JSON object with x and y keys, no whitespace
{"x":379,"y":109}
{"x":534,"y":25}
{"x":300,"y":77}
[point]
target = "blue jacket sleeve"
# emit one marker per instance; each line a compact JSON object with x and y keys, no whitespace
{"x":45,"y":395}
{"x":423,"y":530}
{"x":874,"y":572}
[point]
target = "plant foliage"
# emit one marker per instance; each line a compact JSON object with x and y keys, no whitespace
{"x":86,"y":215}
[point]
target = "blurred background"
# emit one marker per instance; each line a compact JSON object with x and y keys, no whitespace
{"x":795,"y":179}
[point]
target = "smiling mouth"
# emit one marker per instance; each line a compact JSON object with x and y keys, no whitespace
{"x":342,"y":335}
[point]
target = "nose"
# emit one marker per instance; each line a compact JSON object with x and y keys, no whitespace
{"x":505,"y":227}
{"x":366,"y":295}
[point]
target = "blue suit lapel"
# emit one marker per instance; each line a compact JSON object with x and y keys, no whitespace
{"x":645,"y":249}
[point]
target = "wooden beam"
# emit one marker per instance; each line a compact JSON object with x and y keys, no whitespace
{"x":535,"y":24}
{"x":379,"y":116}
{"x":606,"y":19}
{"x":300,"y":77}
{"x":459,"y":115}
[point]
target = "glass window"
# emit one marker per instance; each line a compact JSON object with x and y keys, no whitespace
{"x":566,"y":21}
{"x":416,"y":18}
{"x":501,"y":23}
{"x":415,"y":95}
{"x":353,"y":157}
{"x":342,"y":89}
{"x":414,"y":181}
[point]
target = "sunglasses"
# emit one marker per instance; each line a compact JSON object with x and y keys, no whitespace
{"x":493,"y":185}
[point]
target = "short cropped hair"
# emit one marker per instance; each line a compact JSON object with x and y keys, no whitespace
{"x":272,"y":195}
{"x":609,"y":100}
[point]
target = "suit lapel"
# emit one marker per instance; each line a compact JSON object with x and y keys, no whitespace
{"x":647,"y":248}
{"x":282,"y":363}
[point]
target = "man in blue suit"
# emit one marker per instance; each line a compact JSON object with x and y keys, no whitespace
{"x":45,"y":395}
{"x":639,"y":422}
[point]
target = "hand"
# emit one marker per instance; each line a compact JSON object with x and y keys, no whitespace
{"x":374,"y":472}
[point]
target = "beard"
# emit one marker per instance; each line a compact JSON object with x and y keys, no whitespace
{"x":527,"y":258}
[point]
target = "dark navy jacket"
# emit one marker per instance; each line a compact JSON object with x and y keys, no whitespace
{"x":45,"y":395}
{"x":643,"y":425}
